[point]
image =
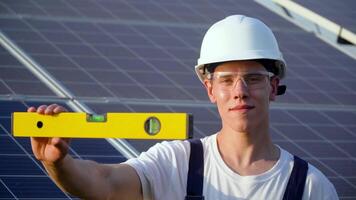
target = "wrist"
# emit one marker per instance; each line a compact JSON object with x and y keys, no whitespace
{"x":58,"y":163}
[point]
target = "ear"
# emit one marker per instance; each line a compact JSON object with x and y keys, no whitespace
{"x":274,"y":88}
{"x":209,"y":89}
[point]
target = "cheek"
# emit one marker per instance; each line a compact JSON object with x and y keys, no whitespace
{"x":261,"y":98}
{"x":220,"y":95}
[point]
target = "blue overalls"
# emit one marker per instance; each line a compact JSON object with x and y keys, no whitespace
{"x":294,"y":189}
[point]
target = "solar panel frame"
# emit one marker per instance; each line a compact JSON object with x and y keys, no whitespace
{"x":331,"y":10}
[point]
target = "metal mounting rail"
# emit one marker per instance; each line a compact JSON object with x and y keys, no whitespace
{"x":325,"y":29}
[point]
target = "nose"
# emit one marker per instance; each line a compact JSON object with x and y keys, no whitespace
{"x":240,"y":90}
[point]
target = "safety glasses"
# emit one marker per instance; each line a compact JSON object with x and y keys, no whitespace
{"x":251,"y":80}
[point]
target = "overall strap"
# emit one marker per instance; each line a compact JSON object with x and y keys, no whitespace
{"x":195,"y":171}
{"x":296,"y":183}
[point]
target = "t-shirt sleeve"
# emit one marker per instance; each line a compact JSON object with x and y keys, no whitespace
{"x":318,"y":187}
{"x":161,"y":166}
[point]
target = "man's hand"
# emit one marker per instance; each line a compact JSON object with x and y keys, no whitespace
{"x":49,"y":150}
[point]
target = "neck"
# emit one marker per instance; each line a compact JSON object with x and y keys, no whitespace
{"x":247,"y":152}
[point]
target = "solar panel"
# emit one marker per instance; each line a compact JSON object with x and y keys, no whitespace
{"x":82,"y":80}
{"x":138,"y":56}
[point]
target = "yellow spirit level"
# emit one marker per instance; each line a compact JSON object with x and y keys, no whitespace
{"x":112,"y":125}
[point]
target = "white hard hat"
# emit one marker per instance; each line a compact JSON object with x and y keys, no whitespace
{"x":238,"y":37}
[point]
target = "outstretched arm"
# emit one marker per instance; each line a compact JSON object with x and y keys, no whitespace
{"x":83,"y":178}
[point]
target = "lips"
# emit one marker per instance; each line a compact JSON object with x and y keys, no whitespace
{"x":241,"y":108}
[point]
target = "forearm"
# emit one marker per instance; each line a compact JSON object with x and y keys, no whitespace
{"x":82,"y":178}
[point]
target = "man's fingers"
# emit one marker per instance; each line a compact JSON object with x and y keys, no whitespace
{"x":49,"y":109}
{"x":41,"y":109}
{"x":59,"y":109}
{"x":31,"y":109}
{"x":35,"y":141}
{"x":50,"y":149}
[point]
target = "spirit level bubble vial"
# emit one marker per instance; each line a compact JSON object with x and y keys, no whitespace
{"x":112,"y":125}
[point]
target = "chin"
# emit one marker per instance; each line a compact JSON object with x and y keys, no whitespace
{"x":240,"y":126}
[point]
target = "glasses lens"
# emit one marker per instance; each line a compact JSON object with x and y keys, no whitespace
{"x":228,"y":80}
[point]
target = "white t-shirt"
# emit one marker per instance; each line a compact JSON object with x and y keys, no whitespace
{"x":163,"y":173}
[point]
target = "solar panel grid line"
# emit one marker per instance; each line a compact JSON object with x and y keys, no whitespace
{"x":132,"y":7}
{"x":197,"y":132}
{"x":183,"y":41}
{"x":49,"y":14}
{"x":7,"y":86}
{"x":342,"y":83}
{"x":226,"y":13}
{"x":88,"y":9}
{"x":345,"y":136}
{"x":339,"y":125}
{"x":167,"y":11}
{"x":187,"y":7}
{"x":214,"y":111}
{"x":294,"y":95}
{"x":335,"y":86}
{"x":8,"y":189}
{"x":22,"y":175}
{"x":186,"y":13}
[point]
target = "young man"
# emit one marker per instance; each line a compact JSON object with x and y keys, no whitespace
{"x":240,"y":65}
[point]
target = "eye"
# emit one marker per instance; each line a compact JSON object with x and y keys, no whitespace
{"x":253,"y":78}
{"x":226,"y":80}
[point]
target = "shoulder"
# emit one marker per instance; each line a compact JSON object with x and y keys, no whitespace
{"x":176,"y":150}
{"x":165,"y":162}
{"x":318,"y":186}
{"x":164,"y":150}
{"x":163,"y":168}
{"x":178,"y":147}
